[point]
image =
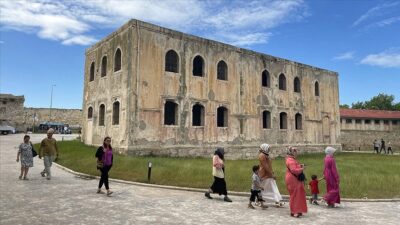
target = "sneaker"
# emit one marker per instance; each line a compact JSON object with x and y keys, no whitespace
{"x":43,"y":174}
{"x":250,"y":206}
{"x":109,"y":193}
{"x":48,"y":178}
{"x":279,"y":204}
{"x":99,"y":191}
{"x":226,"y":199}
{"x":207,"y":194}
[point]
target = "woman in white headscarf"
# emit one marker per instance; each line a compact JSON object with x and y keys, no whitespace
{"x":266,"y":173}
{"x":331,"y":176}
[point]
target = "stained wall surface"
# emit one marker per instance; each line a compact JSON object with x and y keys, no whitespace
{"x":144,"y":90}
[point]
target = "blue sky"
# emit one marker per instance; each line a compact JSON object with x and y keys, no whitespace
{"x":43,"y":42}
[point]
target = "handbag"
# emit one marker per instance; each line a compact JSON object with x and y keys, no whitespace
{"x":100,"y":164}
{"x":218,"y":172}
{"x":34,"y":153}
{"x":301,"y":177}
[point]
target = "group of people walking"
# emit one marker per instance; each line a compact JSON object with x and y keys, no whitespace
{"x":264,"y":186}
{"x":48,"y":151}
{"x":380,"y":145}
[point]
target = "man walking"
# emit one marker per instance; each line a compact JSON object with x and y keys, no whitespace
{"x":48,"y":150}
{"x":382,"y":146}
{"x":376,"y":146}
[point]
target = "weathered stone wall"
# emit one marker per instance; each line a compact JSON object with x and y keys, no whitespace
{"x":143,"y":86}
{"x":73,"y":117}
{"x":11,"y":110}
{"x":355,"y":140}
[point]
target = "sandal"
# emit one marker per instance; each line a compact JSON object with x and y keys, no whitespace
{"x":279,"y":204}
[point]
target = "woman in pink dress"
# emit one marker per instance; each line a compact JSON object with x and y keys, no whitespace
{"x":298,"y":204}
{"x":332,"y":178}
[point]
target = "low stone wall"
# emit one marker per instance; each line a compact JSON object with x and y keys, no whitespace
{"x":70,"y":116}
{"x":231,"y":152}
{"x":357,"y":140}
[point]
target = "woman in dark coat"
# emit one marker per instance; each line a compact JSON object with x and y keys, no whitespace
{"x":104,"y":157}
{"x":219,"y":185}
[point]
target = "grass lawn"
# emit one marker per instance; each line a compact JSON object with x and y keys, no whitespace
{"x":361,"y":175}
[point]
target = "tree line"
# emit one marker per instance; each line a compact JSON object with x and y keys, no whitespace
{"x":380,"y":102}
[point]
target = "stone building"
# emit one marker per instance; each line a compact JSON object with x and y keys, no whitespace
{"x":162,"y":92}
{"x":359,"y":128}
{"x":13,"y":113}
{"x":11,"y":110}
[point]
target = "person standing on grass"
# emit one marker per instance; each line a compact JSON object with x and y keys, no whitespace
{"x":382,"y":146}
{"x":376,"y":146}
{"x":331,"y":177}
{"x":219,"y":185}
{"x":25,"y":154}
{"x":104,"y":155}
{"x":295,"y":187}
{"x":389,"y":148}
{"x":49,"y":151}
{"x":271,"y":191}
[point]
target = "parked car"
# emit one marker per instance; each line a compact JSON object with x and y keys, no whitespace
{"x":5,"y":129}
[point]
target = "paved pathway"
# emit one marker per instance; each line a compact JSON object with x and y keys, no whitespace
{"x":67,"y":199}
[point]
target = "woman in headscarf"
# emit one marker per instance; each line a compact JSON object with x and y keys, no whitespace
{"x":219,"y":185}
{"x":332,"y":178}
{"x":266,"y":173}
{"x":298,"y":204}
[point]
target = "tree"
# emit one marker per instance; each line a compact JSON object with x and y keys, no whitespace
{"x":344,"y":106}
{"x":380,"y":102}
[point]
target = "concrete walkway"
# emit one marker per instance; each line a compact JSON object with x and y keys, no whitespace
{"x":67,"y":199}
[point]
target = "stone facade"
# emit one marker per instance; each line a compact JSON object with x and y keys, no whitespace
{"x":12,"y":110}
{"x":148,"y":105}
{"x":13,"y":113}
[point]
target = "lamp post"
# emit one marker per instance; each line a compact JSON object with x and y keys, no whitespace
{"x":51,"y":100}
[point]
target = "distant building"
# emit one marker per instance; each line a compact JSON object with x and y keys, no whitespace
{"x":359,"y":128}
{"x":162,"y":92}
{"x":12,"y":110}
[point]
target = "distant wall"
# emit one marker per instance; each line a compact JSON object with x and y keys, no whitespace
{"x":354,"y":140}
{"x":69,"y":116}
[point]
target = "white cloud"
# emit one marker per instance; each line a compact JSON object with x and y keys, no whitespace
{"x":2,"y":42}
{"x":344,"y":56}
{"x":388,"y":58}
{"x":379,"y":11}
{"x":385,"y":22}
{"x":70,"y":22}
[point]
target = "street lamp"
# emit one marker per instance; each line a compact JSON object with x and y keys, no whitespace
{"x":51,"y":100}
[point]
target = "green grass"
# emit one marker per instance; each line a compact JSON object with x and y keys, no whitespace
{"x":361,"y":175}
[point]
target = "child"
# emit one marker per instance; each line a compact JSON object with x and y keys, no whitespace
{"x":256,"y":189}
{"x":314,"y":189}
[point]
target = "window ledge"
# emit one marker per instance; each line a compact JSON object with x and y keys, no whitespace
{"x":169,"y":73}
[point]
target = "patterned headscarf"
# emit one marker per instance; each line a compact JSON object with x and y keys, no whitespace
{"x":329,"y":150}
{"x":291,"y":150}
{"x":264,"y":148}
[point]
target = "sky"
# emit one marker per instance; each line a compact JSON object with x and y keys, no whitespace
{"x":43,"y":42}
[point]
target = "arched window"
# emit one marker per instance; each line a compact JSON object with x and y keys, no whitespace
{"x":171,"y":61}
{"x":266,"y":120}
{"x":282,"y":82}
{"x":222,"y":71}
{"x":117,"y":60}
{"x":198,"y":115}
{"x":91,"y":72}
{"x":283,"y":120}
{"x":104,"y":66}
{"x":298,"y":121}
{"x":90,"y":113}
{"x":297,"y":87}
{"x":102,"y":111}
{"x":265,"y":79}
{"x":198,"y":66}
{"x":222,"y":117}
{"x":170,"y":113}
{"x":316,"y":87}
{"x":115,"y":115}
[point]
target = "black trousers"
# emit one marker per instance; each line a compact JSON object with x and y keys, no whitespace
{"x":376,"y":149}
{"x":255,"y":194}
{"x":384,"y":149}
{"x":389,"y":149}
{"x":104,"y":177}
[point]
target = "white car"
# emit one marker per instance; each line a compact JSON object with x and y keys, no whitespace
{"x":7,"y":129}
